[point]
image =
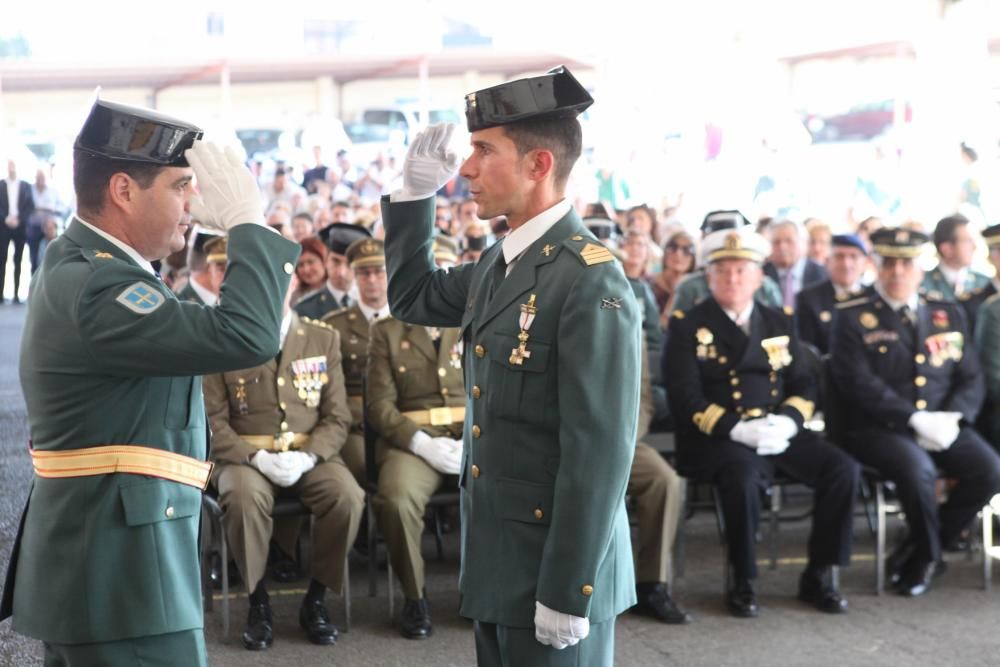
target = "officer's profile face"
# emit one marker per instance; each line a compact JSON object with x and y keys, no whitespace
{"x":899,"y":277}
{"x":495,"y":172}
{"x":960,"y":250}
{"x":845,"y":264}
{"x":339,"y":271}
{"x":160,"y":214}
{"x":373,"y":285}
{"x":786,"y":246}
{"x":995,"y":258}
{"x":733,"y":282}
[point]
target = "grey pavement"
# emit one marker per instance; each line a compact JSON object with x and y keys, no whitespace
{"x":957,"y":623}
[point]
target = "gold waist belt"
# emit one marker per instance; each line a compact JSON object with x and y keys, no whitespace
{"x":277,"y":442}
{"x":436,"y":416}
{"x":132,"y":459}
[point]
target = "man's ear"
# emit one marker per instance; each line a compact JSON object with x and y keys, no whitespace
{"x":121,"y":191}
{"x":541,"y":163}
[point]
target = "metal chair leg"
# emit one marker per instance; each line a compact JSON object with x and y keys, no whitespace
{"x":224,"y":552}
{"x":391,"y":587}
{"x":372,"y":547}
{"x":678,"y":572}
{"x":987,"y":547}
{"x":347,"y":593}
{"x":775,"y":515}
{"x":880,"y":538}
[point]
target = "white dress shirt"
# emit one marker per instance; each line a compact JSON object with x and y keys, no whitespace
{"x":13,"y":189}
{"x":742,"y":318}
{"x":521,"y":238}
{"x":370,"y":313}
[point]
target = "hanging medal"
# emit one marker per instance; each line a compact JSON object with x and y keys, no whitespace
{"x":527,"y":317}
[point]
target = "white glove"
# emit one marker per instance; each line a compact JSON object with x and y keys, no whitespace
{"x":280,"y":471}
{"x":302,"y":461}
{"x":429,"y":163}
{"x":229,"y":196}
{"x":559,"y":630}
{"x":442,"y":454}
{"x":749,"y":432}
{"x":936,"y":431}
{"x":783,"y":425}
{"x":769,"y":446}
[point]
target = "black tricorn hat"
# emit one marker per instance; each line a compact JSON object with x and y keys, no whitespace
{"x":555,"y":94}
{"x":340,"y":235}
{"x":120,"y":132}
{"x":475,"y":243}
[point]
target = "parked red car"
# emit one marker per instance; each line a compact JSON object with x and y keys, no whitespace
{"x":863,"y":121}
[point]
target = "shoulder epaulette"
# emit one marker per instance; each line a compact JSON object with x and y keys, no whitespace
{"x":316,"y":323}
{"x":852,"y":302}
{"x":679,"y":314}
{"x":589,"y":250}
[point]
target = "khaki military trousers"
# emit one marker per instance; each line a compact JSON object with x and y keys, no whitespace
{"x":328,"y":490}
{"x":658,"y":492}
{"x":353,"y":453}
{"x":405,"y":484}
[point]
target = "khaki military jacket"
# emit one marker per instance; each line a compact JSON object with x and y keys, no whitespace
{"x":301,"y":391}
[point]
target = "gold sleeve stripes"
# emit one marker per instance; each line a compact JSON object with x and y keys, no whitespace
{"x":707,"y":419}
{"x":805,"y":408}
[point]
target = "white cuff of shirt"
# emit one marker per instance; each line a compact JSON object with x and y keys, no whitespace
{"x":402,"y":195}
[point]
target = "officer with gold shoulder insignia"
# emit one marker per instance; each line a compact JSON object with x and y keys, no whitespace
{"x":547,"y":449}
{"x":814,"y":306}
{"x":741,"y":394}
{"x":366,"y":257}
{"x":913,"y":390}
{"x":416,"y":405}
{"x":278,"y":428}
{"x":206,"y":264}
{"x":105,"y":566}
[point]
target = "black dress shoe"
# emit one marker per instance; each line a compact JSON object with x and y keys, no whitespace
{"x":415,"y":621}
{"x":655,"y":601}
{"x":742,"y":600}
{"x":895,"y":563}
{"x":316,"y":622}
{"x":918,"y":577}
{"x":815,"y":591}
{"x":259,"y":633}
{"x":284,"y":569}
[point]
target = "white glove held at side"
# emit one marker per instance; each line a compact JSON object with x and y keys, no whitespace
{"x":558,"y":630}
{"x":430,"y":163}
{"x":229,"y":196}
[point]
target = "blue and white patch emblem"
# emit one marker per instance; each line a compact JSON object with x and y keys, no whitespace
{"x":141,"y":298}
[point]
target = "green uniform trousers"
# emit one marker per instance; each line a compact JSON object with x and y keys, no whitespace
{"x":405,"y":484}
{"x":247,"y":498}
{"x":504,"y":646}
{"x":176,"y":649}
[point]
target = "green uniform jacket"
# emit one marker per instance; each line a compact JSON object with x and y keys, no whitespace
{"x":406,"y":373}
{"x":988,"y":344}
{"x":302,"y":391}
{"x":549,"y":443}
{"x":693,"y":289}
{"x":99,"y":558}
{"x":937,"y":288}
{"x":318,"y":304}
{"x":187,"y":293}
{"x":353,"y":328}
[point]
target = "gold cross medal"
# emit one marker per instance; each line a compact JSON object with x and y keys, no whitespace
{"x":527,"y":317}
{"x":455,"y":355}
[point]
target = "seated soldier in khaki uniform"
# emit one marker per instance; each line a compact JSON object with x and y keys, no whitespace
{"x":278,"y":429}
{"x":206,"y":263}
{"x":367,"y":261}
{"x":416,"y":404}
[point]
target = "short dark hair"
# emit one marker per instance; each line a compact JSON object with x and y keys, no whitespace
{"x":92,"y":173}
{"x":305,"y":215}
{"x":563,"y":137}
{"x":944,"y":231}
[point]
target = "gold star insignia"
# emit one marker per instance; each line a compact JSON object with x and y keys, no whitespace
{"x":103,"y":255}
{"x":547,"y":250}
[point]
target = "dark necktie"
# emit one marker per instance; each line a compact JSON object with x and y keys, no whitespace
{"x":499,"y":273}
{"x":908,"y":317}
{"x":345,"y":300}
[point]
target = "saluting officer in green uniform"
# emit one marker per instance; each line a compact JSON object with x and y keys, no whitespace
{"x":367,"y":262}
{"x":207,"y":266}
{"x":549,"y":324}
{"x":416,"y":404}
{"x":105,"y":570}
{"x":277,"y":429}
{"x":953,"y":278}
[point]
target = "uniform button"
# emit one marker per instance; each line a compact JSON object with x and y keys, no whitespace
{"x":242,"y":381}
{"x":920,"y":358}
{"x":737,"y":395}
{"x":475,"y":471}
{"x":281,"y":382}
{"x":353,"y":356}
{"x":169,"y":512}
{"x":774,"y":392}
{"x":476,"y":392}
{"x":732,"y":372}
{"x":289,"y":268}
{"x":444,"y":391}
{"x":882,"y":349}
{"x":539,"y":513}
{"x":920,"y":380}
{"x":402,"y":369}
{"x":284,"y":426}
{"x":587,"y":590}
{"x":283,"y":405}
{"x":442,"y":372}
{"x":921,"y":404}
{"x":476,"y":431}
{"x":723,"y":360}
{"x":734,"y":381}
{"x":480,"y":351}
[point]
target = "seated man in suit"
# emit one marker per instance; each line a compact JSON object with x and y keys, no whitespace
{"x":416,"y":404}
{"x":278,"y":429}
{"x":789,"y":265}
{"x":914,"y":389}
{"x":207,"y":267}
{"x":741,"y":393}
{"x":814,"y":305}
